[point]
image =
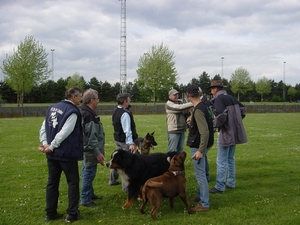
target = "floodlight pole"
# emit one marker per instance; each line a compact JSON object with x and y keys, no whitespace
{"x":52,"y":50}
{"x":222,"y":67}
{"x":283,"y":83}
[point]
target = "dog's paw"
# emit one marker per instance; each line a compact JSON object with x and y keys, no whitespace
{"x":127,"y":204}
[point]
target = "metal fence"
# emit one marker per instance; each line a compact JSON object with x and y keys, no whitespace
{"x":8,"y":112}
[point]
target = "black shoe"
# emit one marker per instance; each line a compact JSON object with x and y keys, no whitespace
{"x":55,"y":217}
{"x":71,"y":218}
{"x":95,"y":197}
{"x":215,"y":191}
{"x":92,"y":204}
{"x":115,"y":183}
{"x":227,"y":187}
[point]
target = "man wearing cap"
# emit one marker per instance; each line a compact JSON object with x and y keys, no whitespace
{"x":229,"y":113}
{"x":177,"y":113}
{"x":200,"y":140}
{"x":124,"y":131}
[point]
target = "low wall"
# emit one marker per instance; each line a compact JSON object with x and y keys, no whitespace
{"x":7,"y":112}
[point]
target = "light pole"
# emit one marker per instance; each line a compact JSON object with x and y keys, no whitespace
{"x":222,"y":67}
{"x":283,"y":84}
{"x":52,"y":50}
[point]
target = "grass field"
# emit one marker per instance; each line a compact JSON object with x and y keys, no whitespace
{"x":267,"y":189}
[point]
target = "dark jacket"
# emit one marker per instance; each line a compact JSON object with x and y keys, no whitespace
{"x":71,"y":149}
{"x":119,"y":134}
{"x":93,"y":135}
{"x":229,"y":113}
{"x":194,"y":137}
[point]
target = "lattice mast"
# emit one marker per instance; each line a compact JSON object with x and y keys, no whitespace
{"x":123,"y":53}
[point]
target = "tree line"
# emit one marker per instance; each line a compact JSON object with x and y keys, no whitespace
{"x":27,"y":80}
{"x":53,"y":91}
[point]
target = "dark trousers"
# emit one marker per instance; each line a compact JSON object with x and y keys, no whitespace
{"x":55,"y":169}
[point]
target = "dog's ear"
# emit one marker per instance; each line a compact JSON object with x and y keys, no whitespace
{"x":152,"y":133}
{"x":183,"y":155}
{"x":169,"y":159}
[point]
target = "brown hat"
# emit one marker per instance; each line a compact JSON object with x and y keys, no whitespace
{"x":216,"y":83}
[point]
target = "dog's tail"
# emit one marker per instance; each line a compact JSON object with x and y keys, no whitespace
{"x":154,"y":184}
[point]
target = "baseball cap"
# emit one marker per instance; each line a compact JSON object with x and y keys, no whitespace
{"x":173,"y":92}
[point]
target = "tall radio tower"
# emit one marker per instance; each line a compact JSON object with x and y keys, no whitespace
{"x":123,"y":55}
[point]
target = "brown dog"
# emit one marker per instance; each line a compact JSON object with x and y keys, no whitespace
{"x":169,"y":185}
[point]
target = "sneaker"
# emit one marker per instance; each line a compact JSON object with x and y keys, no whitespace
{"x":200,"y":208}
{"x":215,"y":191}
{"x":55,"y":217}
{"x":196,"y":199}
{"x":91,"y":204}
{"x":71,"y":218}
{"x":95,"y":197}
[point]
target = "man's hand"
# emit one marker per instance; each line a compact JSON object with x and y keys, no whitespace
{"x":100,"y":159}
{"x":197,"y":155}
{"x":45,"y":148}
{"x":131,"y":148}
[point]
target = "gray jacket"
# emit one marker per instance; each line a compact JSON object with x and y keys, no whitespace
{"x":176,"y":116}
{"x":93,"y":136}
{"x":229,"y":113}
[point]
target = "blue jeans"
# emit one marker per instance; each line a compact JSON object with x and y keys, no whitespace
{"x":200,"y":174}
{"x":176,"y":142}
{"x":87,"y":190}
{"x":225,"y":166}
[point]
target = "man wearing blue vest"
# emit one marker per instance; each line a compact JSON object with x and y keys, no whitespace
{"x":62,"y":142}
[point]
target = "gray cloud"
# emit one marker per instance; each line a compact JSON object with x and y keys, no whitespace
{"x":257,"y":35}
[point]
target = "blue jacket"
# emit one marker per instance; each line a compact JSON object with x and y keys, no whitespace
{"x":71,"y":149}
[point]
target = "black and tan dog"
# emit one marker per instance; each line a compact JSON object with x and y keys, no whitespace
{"x":143,"y":145}
{"x":136,"y":169}
{"x":169,"y":185}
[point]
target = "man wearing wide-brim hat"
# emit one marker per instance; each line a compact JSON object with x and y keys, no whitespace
{"x":229,"y":113}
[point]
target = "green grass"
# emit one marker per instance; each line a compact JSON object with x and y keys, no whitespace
{"x":267,"y":189}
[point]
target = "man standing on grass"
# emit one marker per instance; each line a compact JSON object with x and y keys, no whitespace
{"x":93,"y":140}
{"x":200,"y":140}
{"x":62,"y":141}
{"x":124,"y":132}
{"x":229,"y":113}
{"x":177,"y":113}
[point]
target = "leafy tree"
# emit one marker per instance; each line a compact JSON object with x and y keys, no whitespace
{"x":7,"y":93}
{"x":61,"y":89}
{"x":106,"y":92}
{"x":204,"y":79}
{"x":115,"y":90}
{"x":156,"y":71}
{"x":26,"y":67}
{"x":93,"y":83}
{"x":241,"y":81}
{"x":263,"y":86}
{"x":135,"y":93}
{"x":76,"y":81}
{"x":291,"y":92}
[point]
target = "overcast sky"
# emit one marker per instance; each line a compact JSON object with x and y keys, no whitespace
{"x":258,"y":35}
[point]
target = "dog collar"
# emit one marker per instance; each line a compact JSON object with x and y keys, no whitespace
{"x":177,"y":172}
